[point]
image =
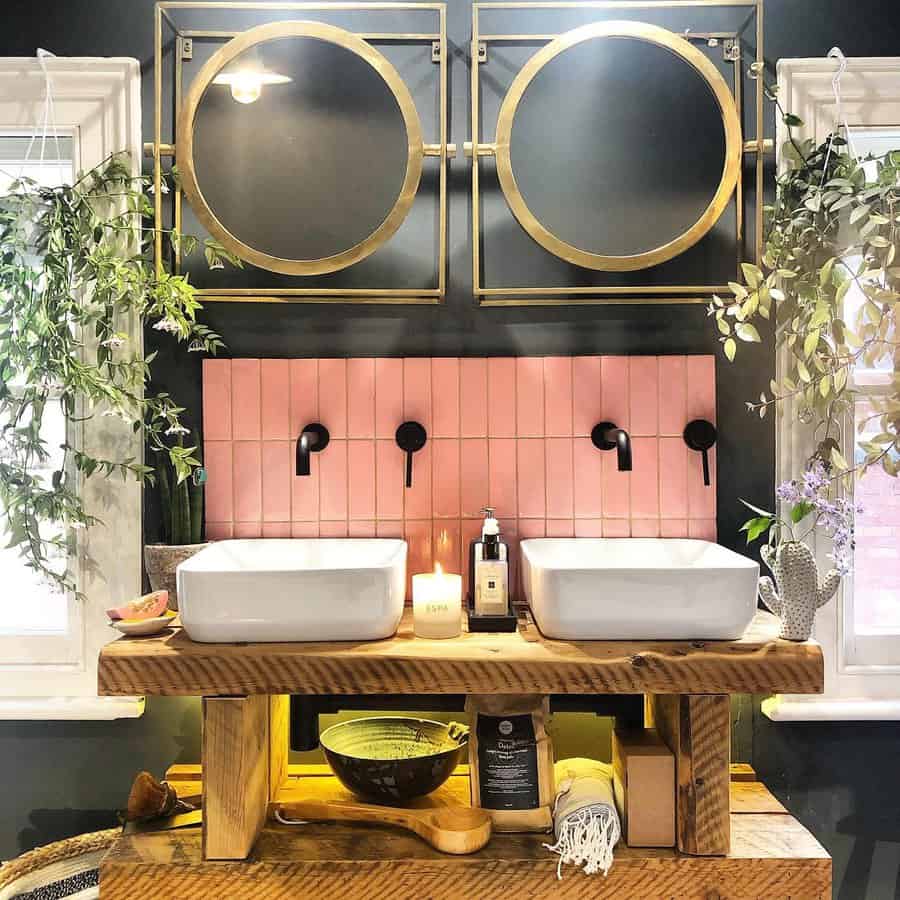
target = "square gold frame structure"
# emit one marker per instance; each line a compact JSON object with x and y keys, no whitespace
{"x":157,"y":149}
{"x":622,"y":294}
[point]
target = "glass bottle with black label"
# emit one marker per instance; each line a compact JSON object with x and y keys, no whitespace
{"x":489,"y":563}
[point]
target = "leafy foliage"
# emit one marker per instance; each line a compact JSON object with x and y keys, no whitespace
{"x":835,"y":226}
{"x":75,"y":267}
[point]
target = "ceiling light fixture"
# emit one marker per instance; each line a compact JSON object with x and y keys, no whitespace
{"x":247,"y":84}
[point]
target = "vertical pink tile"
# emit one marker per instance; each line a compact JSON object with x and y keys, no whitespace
{"x":361,"y":479}
{"x":644,"y":395}
{"x":333,"y":529}
{"x":701,"y":499}
{"x":471,"y":529}
{"x":616,"y":528}
{"x":616,"y":488}
{"x":390,"y":529}
{"x":417,"y":392}
{"x":645,"y":528}
{"x":560,"y":478}
{"x":304,"y":394}
{"x":445,"y":397}
{"x":447,"y":546}
{"x":615,"y":374}
{"x":245,"y":399}
{"x":248,"y":529}
{"x":217,"y":399}
{"x":446,"y":466}
{"x":473,"y":476}
{"x":530,"y":396}
{"x":333,"y":396}
{"x":305,"y":491}
{"x":389,"y":476}
{"x":587,"y":394}
{"x":558,"y":396}
{"x":509,"y":532}
{"x":673,"y":528}
{"x":361,"y":529}
{"x":247,"y":481}
{"x":588,"y":475}
{"x":673,"y":491}
{"x":361,"y":398}
{"x":502,"y":476}
{"x":588,"y":528}
{"x":561,"y":528}
{"x":304,"y":529}
{"x":702,"y":529}
{"x":701,"y":388}
{"x":532,"y":480}
{"x":419,"y":553}
{"x":388,"y":397}
{"x":276,"y":481}
{"x":275,"y":399}
{"x":276,"y":529}
{"x":473,"y":395}
{"x":645,"y":478}
{"x":672,"y":395}
{"x":417,"y":499}
{"x":218,"y":459}
{"x":333,"y":481}
{"x":219,"y":531}
{"x":501,"y":397}
{"x":531,"y":528}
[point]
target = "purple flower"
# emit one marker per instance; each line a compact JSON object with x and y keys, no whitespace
{"x":787,"y":492}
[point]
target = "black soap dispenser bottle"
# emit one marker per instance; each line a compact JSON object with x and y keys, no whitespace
{"x":489,"y":570}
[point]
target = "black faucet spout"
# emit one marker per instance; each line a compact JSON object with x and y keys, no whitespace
{"x":313,"y":439}
{"x":608,"y":436}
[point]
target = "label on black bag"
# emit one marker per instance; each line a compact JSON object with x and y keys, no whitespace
{"x":507,"y":762}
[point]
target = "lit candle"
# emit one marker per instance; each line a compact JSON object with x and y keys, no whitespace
{"x":437,"y":604}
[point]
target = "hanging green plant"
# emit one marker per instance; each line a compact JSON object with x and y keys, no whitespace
{"x":75,"y":267}
{"x":834,"y":228}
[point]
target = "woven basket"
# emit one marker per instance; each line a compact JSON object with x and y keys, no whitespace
{"x":64,"y":868}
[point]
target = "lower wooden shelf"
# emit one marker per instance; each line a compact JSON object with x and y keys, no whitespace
{"x":772,"y":856}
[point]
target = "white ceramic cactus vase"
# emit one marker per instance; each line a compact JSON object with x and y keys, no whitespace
{"x":796,"y":595}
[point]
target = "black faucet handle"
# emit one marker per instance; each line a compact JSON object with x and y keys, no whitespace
{"x":700,"y":435}
{"x":608,"y":436}
{"x":313,"y":439}
{"x":411,"y":437}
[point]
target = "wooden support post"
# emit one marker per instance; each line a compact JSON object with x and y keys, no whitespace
{"x":236,"y":763}
{"x":279,"y":741}
{"x":697,"y":729}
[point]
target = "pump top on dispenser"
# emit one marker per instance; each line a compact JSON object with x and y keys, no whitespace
{"x":489,"y":569}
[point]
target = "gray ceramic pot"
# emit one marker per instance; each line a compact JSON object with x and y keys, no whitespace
{"x":162,"y":560}
{"x":798,"y":594}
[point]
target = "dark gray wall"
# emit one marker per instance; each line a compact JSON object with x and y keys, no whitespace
{"x":63,"y":778}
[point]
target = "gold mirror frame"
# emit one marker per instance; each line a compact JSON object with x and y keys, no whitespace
{"x":733,"y":145}
{"x":185,"y":143}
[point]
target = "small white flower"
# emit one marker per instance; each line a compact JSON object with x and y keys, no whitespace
{"x":216,"y":264}
{"x":167,"y":324}
{"x":113,"y":342}
{"x":177,"y":429}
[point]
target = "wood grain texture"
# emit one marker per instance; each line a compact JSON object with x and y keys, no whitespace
{"x":772,"y":856}
{"x":235,"y":750}
{"x":279,"y":741}
{"x":697,"y":729}
{"x":172,"y":664}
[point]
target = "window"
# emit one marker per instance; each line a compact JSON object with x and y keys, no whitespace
{"x":49,"y":642}
{"x":860,"y":630}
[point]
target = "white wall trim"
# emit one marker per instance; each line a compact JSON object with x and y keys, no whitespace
{"x":800,"y":709}
{"x":42,"y":709}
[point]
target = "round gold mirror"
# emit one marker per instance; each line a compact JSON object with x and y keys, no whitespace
{"x":600,"y":163}
{"x":300,"y":148}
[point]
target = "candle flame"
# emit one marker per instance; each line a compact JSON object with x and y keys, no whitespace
{"x":437,"y":569}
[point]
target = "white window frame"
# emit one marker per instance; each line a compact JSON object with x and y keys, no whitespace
{"x":98,"y":101}
{"x":854,"y":692}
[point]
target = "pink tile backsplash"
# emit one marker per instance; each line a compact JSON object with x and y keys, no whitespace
{"x":511,"y":433}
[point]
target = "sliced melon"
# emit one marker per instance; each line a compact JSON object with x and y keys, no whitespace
{"x":147,"y":607}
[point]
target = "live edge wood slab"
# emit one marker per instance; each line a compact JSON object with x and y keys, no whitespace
{"x":516,"y":663}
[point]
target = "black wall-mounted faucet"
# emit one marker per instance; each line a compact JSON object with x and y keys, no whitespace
{"x":313,"y":439}
{"x":608,"y":436}
{"x":700,"y":435}
{"x":411,"y":437}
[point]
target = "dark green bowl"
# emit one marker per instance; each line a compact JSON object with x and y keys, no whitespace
{"x":393,"y":759}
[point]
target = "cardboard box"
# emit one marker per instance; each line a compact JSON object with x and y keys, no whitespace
{"x":644,"y":785}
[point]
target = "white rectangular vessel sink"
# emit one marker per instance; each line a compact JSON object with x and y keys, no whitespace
{"x":293,"y":590}
{"x":638,"y":588}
